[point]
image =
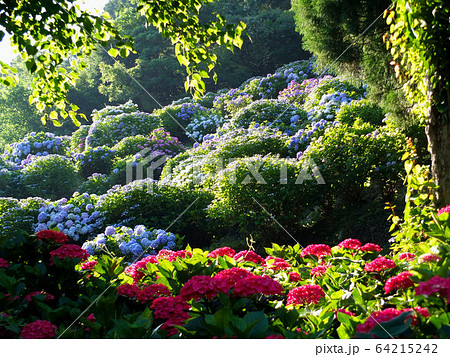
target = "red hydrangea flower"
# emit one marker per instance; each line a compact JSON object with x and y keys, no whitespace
{"x":91,"y":318}
{"x":370,"y":247}
{"x":257,"y":285}
{"x":69,"y":251}
{"x":220,"y":252}
{"x":445,"y":209}
{"x":319,"y":250}
{"x":436,"y":284}
{"x":151,"y":292}
{"x":386,"y":315}
{"x":134,"y":269}
{"x":429,"y":257}
{"x":170,"y":255}
{"x":4,"y":263}
{"x":276,"y":263}
{"x":130,"y":290}
{"x":305,"y":294}
{"x":380,"y":264}
{"x":170,"y":307}
{"x":34,"y":293}
{"x":350,"y":243}
{"x":88,"y":265}
{"x":38,"y":329}
{"x":52,"y":236}
{"x":226,"y":279}
{"x":344,"y":312}
{"x":400,"y":281}
{"x":199,"y":286}
{"x":406,"y":256}
{"x":294,"y":277}
{"x":249,"y":256}
{"x":319,"y":270}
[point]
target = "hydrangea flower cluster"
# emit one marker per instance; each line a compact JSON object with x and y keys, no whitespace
{"x":173,"y":309}
{"x":435,"y":285}
{"x":249,"y":256}
{"x":271,"y":113}
{"x":401,"y":281}
{"x":304,"y":295}
{"x":352,"y":244}
{"x":161,"y":140}
{"x":276,"y":263}
{"x":47,"y":296}
{"x":4,"y":263}
{"x":38,"y":329}
{"x":406,"y":256}
{"x":220,"y":252}
{"x":76,"y":218}
{"x":380,"y":264}
{"x":303,"y":137}
{"x":52,"y":236}
{"x":445,"y":209}
{"x":112,"y":124}
{"x":95,"y":160}
{"x":428,"y":258}
{"x":69,"y":251}
{"x":385,"y":315}
{"x":188,"y":110}
{"x":202,"y":125}
{"x":272,"y":84}
{"x":320,"y":270}
{"x":35,"y":144}
{"x":319,"y":250}
{"x":298,"y":70}
{"x":131,"y":243}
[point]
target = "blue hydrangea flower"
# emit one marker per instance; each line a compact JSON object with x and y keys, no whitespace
{"x":110,"y":230}
{"x":139,"y":230}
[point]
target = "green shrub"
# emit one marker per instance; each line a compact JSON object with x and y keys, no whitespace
{"x":211,"y":156}
{"x":249,"y":191}
{"x":270,"y":112}
{"x":78,"y":138}
{"x":175,"y":118}
{"x":96,"y":184}
{"x":18,"y":215}
{"x":352,"y":158}
{"x":95,"y":160}
{"x":146,"y":202}
{"x":112,"y":124}
{"x":369,"y":112}
{"x":52,"y":176}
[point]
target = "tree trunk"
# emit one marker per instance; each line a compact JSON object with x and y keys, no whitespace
{"x":438,"y":135}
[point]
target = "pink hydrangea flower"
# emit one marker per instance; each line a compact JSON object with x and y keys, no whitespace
{"x":428,"y":257}
{"x":370,"y":247}
{"x":401,"y":281}
{"x":406,"y":256}
{"x":436,"y":284}
{"x":220,"y":252}
{"x":305,"y":294}
{"x":386,"y":315}
{"x":257,"y":285}
{"x":4,"y":263}
{"x":380,"y":264}
{"x":249,"y":256}
{"x":275,"y":263}
{"x":319,"y":270}
{"x":319,"y":250}
{"x":294,"y":277}
{"x":445,"y":209}
{"x":350,"y":243}
{"x":38,"y":329}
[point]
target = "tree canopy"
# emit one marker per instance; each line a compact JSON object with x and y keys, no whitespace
{"x":51,"y":33}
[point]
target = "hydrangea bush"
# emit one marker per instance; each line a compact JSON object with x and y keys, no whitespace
{"x":131,"y":243}
{"x":36,"y":144}
{"x":52,"y":176}
{"x":112,"y":124}
{"x":77,"y":217}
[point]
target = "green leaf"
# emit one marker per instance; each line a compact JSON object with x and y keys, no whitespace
{"x":113,"y":52}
